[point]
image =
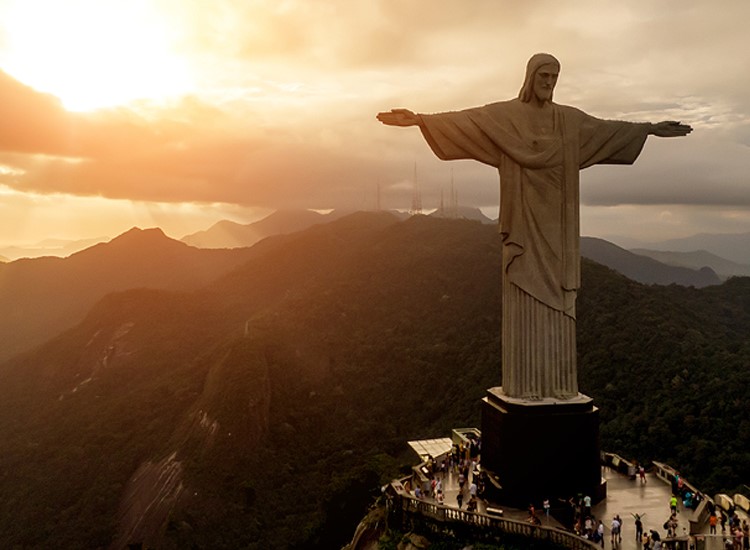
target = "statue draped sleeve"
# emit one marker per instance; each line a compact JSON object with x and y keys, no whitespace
{"x":542,"y":261}
{"x":486,"y":134}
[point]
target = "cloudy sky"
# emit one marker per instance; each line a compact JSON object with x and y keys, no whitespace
{"x":181,"y":113}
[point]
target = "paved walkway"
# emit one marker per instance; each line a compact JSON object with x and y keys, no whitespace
{"x":628,"y":497}
{"x":625,"y":497}
{"x":650,"y":500}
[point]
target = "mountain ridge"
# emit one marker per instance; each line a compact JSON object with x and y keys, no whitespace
{"x":731,"y":246}
{"x":644,"y":269}
{"x":42,"y":296}
{"x":229,"y":234}
{"x":697,"y":259}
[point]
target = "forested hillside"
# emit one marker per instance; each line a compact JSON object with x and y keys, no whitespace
{"x":669,"y":367}
{"x":279,"y":398}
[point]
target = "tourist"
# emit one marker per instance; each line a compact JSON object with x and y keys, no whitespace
{"x":638,"y":527}
{"x":737,"y":538}
{"x":642,"y":473}
{"x":588,"y":526}
{"x":586,"y":505}
{"x":646,"y":541}
{"x":615,"y":529}
{"x":712,"y":521}
{"x":600,"y":533}
{"x":460,"y":499}
{"x":671,"y":525}
{"x":673,"y":504}
{"x":745,"y":535}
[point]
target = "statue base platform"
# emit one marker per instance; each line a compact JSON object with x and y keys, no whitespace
{"x":541,"y":449}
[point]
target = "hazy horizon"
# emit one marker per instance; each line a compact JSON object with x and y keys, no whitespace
{"x":58,"y":247}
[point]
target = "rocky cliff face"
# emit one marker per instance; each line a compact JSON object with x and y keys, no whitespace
{"x":233,"y":407}
{"x":149,"y":498}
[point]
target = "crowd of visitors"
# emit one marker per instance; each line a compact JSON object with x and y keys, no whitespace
{"x":736,"y":531}
{"x":462,"y":462}
{"x":462,"y":465}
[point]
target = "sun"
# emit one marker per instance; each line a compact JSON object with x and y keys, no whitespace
{"x":93,"y":53}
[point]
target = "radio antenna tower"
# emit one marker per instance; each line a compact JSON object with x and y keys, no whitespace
{"x":454,"y":199}
{"x":416,"y":199}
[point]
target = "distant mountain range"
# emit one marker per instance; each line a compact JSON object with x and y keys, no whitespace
{"x":40,"y":297}
{"x":727,"y":255}
{"x":730,"y":246}
{"x":227,"y":234}
{"x":697,"y":260}
{"x":48,"y":247}
{"x":644,"y":269}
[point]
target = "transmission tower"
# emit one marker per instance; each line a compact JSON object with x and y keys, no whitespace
{"x":454,"y":199}
{"x":416,"y":199}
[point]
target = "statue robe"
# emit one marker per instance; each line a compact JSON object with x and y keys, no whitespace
{"x":539,"y":224}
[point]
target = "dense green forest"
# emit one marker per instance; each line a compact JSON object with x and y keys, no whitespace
{"x":669,"y":367}
{"x":286,"y":390}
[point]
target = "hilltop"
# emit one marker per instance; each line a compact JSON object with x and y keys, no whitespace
{"x":41,"y":297}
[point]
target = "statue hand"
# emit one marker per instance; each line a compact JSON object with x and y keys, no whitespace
{"x":670,"y":128}
{"x":398,"y":117}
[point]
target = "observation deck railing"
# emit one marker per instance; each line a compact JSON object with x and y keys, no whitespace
{"x":407,"y":510}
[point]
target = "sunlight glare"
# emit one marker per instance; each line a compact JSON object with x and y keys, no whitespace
{"x":93,"y":53}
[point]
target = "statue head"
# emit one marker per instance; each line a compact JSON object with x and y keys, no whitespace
{"x":542,"y":87}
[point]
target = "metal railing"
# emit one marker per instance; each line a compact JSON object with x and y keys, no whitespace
{"x":445,"y":519}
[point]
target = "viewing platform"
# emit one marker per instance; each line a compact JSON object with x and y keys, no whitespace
{"x":627,"y":496}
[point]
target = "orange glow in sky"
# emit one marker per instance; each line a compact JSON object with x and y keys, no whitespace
{"x":92,"y":56}
{"x":182,"y":112}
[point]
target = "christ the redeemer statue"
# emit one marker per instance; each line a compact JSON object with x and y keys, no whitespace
{"x":539,"y":147}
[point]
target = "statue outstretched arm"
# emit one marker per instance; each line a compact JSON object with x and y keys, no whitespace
{"x":399,"y":117}
{"x":670,"y":128}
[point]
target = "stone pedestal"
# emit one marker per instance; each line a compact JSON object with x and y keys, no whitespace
{"x":541,"y":449}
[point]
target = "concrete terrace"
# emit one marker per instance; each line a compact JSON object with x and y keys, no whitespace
{"x":625,"y":497}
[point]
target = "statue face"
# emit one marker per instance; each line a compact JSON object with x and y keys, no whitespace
{"x":544,"y":82}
